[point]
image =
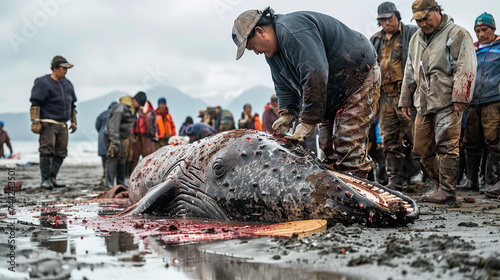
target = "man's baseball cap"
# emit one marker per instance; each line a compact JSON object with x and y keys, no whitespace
{"x":243,"y":25}
{"x":486,"y":20}
{"x":386,"y":10}
{"x":420,"y":8}
{"x":59,"y":61}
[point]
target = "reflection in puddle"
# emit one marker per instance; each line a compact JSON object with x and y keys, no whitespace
{"x":75,"y":250}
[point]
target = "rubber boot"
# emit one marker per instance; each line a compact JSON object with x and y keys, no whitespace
{"x":448,"y":166}
{"x":494,"y":192}
{"x":473,"y":163}
{"x":45,"y":171}
{"x":111,"y":166}
{"x":431,"y":167}
{"x":393,"y":166}
{"x":120,"y":175}
{"x":54,"y":169}
{"x":492,"y":172}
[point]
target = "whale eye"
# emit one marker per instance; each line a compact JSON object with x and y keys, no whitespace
{"x":219,"y":167}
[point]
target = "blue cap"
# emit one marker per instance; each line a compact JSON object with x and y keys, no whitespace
{"x":1,"y":123}
{"x":162,"y":100}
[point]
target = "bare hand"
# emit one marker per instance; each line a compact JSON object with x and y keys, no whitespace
{"x":406,"y":112}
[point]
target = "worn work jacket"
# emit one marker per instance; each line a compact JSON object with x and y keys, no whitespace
{"x":319,"y":63}
{"x":407,"y":32}
{"x":56,"y":99}
{"x":448,"y":60}
{"x":487,"y":87}
{"x":121,"y":119}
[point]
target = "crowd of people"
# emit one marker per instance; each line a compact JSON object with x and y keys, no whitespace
{"x":408,"y":98}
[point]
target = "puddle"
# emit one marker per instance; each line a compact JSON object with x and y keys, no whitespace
{"x":69,"y":241}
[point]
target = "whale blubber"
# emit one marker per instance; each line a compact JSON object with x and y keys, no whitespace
{"x":287,"y":229}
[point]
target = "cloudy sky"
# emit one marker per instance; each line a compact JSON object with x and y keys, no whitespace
{"x":135,"y":45}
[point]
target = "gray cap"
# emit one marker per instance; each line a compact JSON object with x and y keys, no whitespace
{"x":386,"y":10}
{"x":243,"y":25}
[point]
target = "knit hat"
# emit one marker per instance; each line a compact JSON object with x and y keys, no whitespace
{"x":1,"y":123}
{"x":274,"y":98}
{"x":141,"y":98}
{"x":485,"y":19}
{"x":162,"y":100}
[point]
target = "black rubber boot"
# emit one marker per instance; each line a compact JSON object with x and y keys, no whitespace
{"x":120,"y":174}
{"x":111,"y":165}
{"x":393,"y":166}
{"x":492,"y":172}
{"x":54,"y":169}
{"x":45,"y":171}
{"x":473,"y":163}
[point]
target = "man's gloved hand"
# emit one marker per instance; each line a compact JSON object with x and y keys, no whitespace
{"x":36,"y":126}
{"x":112,"y":151}
{"x":303,"y":131}
{"x":72,"y":128}
{"x":284,"y":123}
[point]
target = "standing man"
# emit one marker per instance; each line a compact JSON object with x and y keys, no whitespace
{"x":482,"y":124}
{"x":270,"y":114}
{"x":438,"y":81}
{"x":52,"y":105}
{"x":324,"y":73}
{"x":391,"y":45}
{"x":166,"y":126}
{"x":249,"y":121}
{"x":100,"y":126}
{"x":4,"y":139}
{"x":120,"y":122}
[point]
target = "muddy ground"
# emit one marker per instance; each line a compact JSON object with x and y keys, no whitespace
{"x":54,"y":241}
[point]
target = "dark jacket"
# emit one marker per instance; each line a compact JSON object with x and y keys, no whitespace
{"x":318,"y":64}
{"x":100,"y":126}
{"x":407,"y":32}
{"x":121,"y":119}
{"x":487,"y":85}
{"x":56,"y":99}
{"x":199,"y":131}
{"x":268,"y":118}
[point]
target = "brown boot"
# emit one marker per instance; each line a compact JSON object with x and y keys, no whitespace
{"x":431,"y":166}
{"x":440,"y":197}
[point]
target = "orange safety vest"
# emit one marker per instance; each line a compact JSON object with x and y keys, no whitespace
{"x":256,"y":122}
{"x":166,"y":128}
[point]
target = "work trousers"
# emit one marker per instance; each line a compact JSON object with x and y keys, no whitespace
{"x":437,"y":137}
{"x":482,"y":129}
{"x":344,"y":139}
{"x":393,"y":125}
{"x":53,"y":140}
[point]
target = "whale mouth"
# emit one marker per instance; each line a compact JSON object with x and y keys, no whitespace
{"x":388,"y":199}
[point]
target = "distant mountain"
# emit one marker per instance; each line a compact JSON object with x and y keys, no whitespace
{"x":258,"y":97}
{"x":18,"y":125}
{"x":180,"y":105}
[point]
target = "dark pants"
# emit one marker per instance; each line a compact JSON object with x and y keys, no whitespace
{"x":53,"y":140}
{"x":115,"y":166}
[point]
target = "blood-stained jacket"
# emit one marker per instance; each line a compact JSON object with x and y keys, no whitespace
{"x":319,"y":63}
{"x":448,"y":60}
{"x":487,"y":86}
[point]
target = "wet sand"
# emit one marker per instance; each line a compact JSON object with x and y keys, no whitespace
{"x":55,"y":241}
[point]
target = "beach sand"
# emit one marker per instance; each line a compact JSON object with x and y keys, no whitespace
{"x":60,"y":241}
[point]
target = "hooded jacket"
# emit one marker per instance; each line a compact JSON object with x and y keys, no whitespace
{"x":440,"y":69}
{"x":487,"y":86}
{"x":121,"y":119}
{"x":319,"y":63}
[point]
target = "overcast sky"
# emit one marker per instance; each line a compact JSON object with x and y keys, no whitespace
{"x":135,"y":45}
